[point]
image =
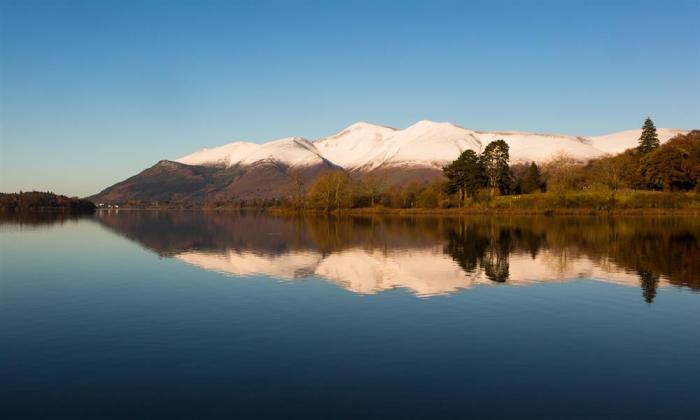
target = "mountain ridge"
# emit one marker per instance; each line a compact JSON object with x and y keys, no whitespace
{"x":365,"y":146}
{"x":244,"y":170}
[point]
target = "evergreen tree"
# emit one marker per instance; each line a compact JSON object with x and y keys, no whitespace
{"x":532,"y":180}
{"x":465,"y":175}
{"x":454,"y":172}
{"x":474,"y":178}
{"x":649,"y":140}
{"x":494,"y":159}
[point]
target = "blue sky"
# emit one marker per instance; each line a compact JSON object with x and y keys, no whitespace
{"x":92,"y":92}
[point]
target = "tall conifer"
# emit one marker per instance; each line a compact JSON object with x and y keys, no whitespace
{"x":495,"y":162}
{"x":649,"y":140}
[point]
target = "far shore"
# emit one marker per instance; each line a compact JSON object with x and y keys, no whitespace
{"x":580,"y":203}
{"x":451,"y":212}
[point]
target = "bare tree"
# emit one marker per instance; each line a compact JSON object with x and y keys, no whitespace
{"x":297,"y":190}
{"x":561,"y":173}
{"x":331,"y":190}
{"x":373,"y":185}
{"x":611,"y":172}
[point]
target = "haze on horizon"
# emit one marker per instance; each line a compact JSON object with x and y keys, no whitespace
{"x":93,"y":92}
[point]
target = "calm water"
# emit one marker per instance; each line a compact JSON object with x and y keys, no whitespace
{"x":184,"y":315}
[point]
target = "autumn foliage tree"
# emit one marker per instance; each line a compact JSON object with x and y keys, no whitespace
{"x":331,"y":191}
{"x":561,"y":173}
{"x":675,"y":166}
{"x":610,"y":172}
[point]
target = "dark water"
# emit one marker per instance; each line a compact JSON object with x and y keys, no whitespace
{"x":187,"y":315}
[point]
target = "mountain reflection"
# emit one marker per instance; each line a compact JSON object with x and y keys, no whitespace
{"x":427,"y":255}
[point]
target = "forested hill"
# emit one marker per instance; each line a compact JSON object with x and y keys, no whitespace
{"x":43,"y":201}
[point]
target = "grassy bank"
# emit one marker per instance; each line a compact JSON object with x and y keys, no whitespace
{"x":623,"y":202}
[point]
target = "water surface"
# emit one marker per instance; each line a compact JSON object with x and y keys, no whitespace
{"x":185,"y":314}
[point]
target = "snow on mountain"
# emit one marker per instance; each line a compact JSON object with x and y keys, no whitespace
{"x":528,"y":147}
{"x":426,"y":144}
{"x":287,"y":266}
{"x":291,"y":151}
{"x":226,"y":155}
{"x":353,"y":146}
{"x":623,"y":140}
{"x":426,"y":271}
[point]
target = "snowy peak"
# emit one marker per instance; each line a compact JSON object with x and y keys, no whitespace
{"x":427,"y":144}
{"x":352,"y":146}
{"x":226,"y":155}
{"x":290,"y":151}
{"x":358,"y":132}
{"x":426,"y":125}
{"x":363,"y":126}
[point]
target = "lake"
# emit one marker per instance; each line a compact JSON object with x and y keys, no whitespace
{"x":245,"y":315}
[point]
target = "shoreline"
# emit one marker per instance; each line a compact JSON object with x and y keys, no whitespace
{"x":476,"y":211}
{"x":625,"y":202}
{"x":466,"y":211}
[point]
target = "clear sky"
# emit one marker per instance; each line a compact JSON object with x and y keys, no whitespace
{"x":92,"y":92}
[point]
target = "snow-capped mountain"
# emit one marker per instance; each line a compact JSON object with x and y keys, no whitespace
{"x":425,"y":144}
{"x":246,"y":170}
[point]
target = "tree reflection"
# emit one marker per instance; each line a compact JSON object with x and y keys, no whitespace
{"x":496,"y":261}
{"x":466,"y":246}
{"x":658,"y":249}
{"x":649,"y":282}
{"x":651,"y":247}
{"x":473,"y":245}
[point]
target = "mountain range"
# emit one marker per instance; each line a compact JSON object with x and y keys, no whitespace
{"x":245,"y":170}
